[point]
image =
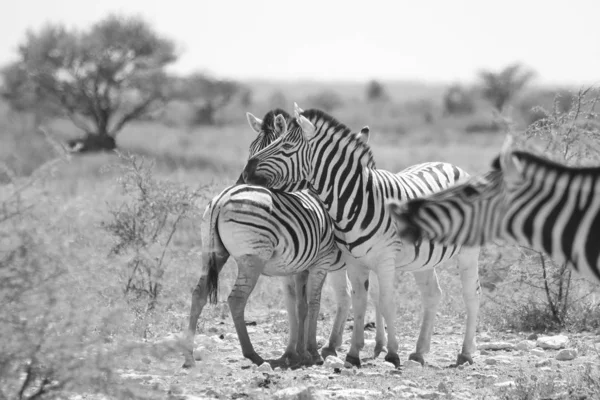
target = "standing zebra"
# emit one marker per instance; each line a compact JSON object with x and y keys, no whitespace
{"x":342,"y":173}
{"x":272,"y":234}
{"x":525,"y":199}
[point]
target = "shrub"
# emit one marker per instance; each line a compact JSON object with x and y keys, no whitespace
{"x":327,"y":100}
{"x":457,"y":101}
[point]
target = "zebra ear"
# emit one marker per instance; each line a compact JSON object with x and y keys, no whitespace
{"x":363,"y":135}
{"x":255,"y":123}
{"x":280,"y":125}
{"x":308,"y":128}
{"x":297,"y":110}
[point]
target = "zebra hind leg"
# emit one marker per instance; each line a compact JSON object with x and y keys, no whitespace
{"x":468,"y":267}
{"x":314,"y":287}
{"x":249,"y":269}
{"x":431,"y":294}
{"x":341,"y":288}
{"x":380,"y":337}
{"x":292,"y":296}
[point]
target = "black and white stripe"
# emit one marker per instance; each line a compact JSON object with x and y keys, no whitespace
{"x":526,"y":200}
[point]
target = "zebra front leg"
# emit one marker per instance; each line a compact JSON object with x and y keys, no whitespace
{"x":431,"y":294}
{"x":380,"y":338}
{"x":359,"y":278}
{"x":341,"y":288}
{"x":468,"y":266}
{"x":249,"y":269}
{"x":301,"y":280}
{"x":386,"y":275}
{"x":290,"y":356}
{"x":316,"y":279}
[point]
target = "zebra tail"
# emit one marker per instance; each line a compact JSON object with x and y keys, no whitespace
{"x":214,"y":253}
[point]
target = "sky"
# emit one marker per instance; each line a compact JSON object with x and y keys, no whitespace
{"x":349,"y":40}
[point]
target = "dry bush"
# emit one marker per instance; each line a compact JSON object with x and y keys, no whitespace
{"x":144,"y":225}
{"x":51,"y":347}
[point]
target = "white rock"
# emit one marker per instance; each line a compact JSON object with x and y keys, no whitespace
{"x":491,"y":361}
{"x":333,"y":362}
{"x":566,"y":354}
{"x":496,"y":346}
{"x":552,"y":342}
{"x":295,"y":393}
{"x":388,"y":365}
{"x":348,"y":372}
{"x":230,"y":337}
{"x":505,"y":384}
{"x":525,"y":345}
{"x":265,"y":367}
{"x":546,"y":369}
{"x":543,"y":363}
{"x":538,"y":352}
{"x":410,"y":364}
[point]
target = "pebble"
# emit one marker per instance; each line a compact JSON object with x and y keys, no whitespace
{"x":295,"y":393}
{"x":388,"y":365}
{"x":265,"y":367}
{"x":505,"y":384}
{"x":538,"y":352}
{"x":496,"y":346}
{"x":566,"y":354}
{"x":333,"y":362}
{"x":525,"y":345}
{"x":552,"y":342}
{"x":543,"y":363}
{"x":546,"y":369}
{"x":410,"y":364}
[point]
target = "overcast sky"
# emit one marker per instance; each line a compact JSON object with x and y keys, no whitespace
{"x":444,"y":40}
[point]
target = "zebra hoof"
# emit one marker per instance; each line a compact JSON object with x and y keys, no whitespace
{"x":354,"y":361}
{"x":326,"y":352}
{"x":393,"y":358}
{"x":464,"y":359}
{"x":188,"y":364}
{"x":417,"y":357}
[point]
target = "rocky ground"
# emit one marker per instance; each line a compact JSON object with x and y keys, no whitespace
{"x":508,"y":365}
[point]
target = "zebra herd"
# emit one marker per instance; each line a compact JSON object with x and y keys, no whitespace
{"x":311,"y":202}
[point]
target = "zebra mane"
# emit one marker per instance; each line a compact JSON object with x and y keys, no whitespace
{"x":546,"y":163}
{"x":318,"y":118}
{"x":269,"y":119}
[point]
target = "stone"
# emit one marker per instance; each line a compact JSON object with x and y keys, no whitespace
{"x":552,"y":342}
{"x":491,"y":361}
{"x":533,"y":336}
{"x":388,"y":365}
{"x":296,"y":393}
{"x":525,"y":345}
{"x":265,"y":367}
{"x":146,"y":360}
{"x":348,"y":372}
{"x":410,"y":364}
{"x":538,"y":352}
{"x":543,"y":363}
{"x":496,"y":346}
{"x":333,"y":362}
{"x":505,"y":384}
{"x":546,"y":369}
{"x":566,"y":354}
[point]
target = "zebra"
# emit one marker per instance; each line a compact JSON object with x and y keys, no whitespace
{"x":524,"y":199}
{"x":273,"y":234}
{"x":341,"y":171}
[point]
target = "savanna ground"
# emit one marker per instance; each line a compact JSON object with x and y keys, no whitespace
{"x":87,"y":240}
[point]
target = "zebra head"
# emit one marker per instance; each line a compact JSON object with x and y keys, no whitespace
{"x":291,"y":158}
{"x":286,"y":161}
{"x":468,"y":214}
{"x":268,"y":129}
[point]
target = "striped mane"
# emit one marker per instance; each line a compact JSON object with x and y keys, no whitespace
{"x":328,"y":125}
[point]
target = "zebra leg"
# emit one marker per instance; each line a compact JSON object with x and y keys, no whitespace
{"x":301,"y":280}
{"x":291,"y":296}
{"x":468,"y":266}
{"x":386,"y":274}
{"x":341,"y":288}
{"x":359,"y":278}
{"x":431,"y":294}
{"x":316,"y":279}
{"x":249,"y":269}
{"x":199,"y":300}
{"x":380,"y":339}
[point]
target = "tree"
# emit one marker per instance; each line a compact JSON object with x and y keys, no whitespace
{"x":101,"y":79}
{"x":376,"y":91}
{"x":205,"y":94}
{"x":327,"y":100}
{"x":457,"y":101}
{"x":501,"y":87}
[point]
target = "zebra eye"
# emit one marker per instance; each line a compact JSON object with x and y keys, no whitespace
{"x":287,"y":146}
{"x":469,"y":191}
